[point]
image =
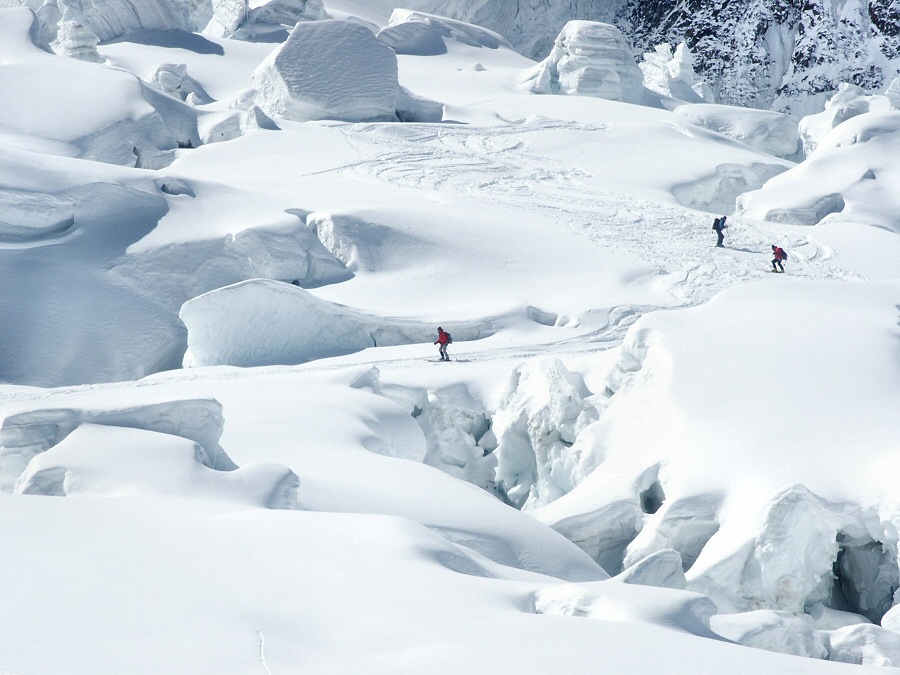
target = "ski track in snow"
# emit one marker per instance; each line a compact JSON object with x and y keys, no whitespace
{"x":498,"y":166}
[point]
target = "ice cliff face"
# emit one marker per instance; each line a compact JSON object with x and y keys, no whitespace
{"x":781,"y":54}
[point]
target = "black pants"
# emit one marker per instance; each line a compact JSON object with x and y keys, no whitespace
{"x":777,"y":262}
{"x":721,"y":236}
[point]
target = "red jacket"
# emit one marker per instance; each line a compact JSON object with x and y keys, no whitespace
{"x":443,"y":337}
{"x":780,"y":254}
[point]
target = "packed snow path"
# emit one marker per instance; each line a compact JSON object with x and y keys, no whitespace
{"x":502,"y":165}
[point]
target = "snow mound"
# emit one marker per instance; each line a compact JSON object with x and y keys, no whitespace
{"x":865,"y":644}
{"x":847,"y":102}
{"x":27,"y":216}
{"x":24,"y":435}
{"x":286,"y":251}
{"x":773,"y":631}
{"x":414,"y":108}
{"x":420,"y":34}
{"x":22,"y":38}
{"x":217,"y":127}
{"x":720,"y":191}
{"x":851,"y":177}
{"x":97,"y":113}
{"x":770,"y":132}
{"x":173,"y":79}
{"x":673,"y":75}
{"x":589,"y":59}
{"x":662,"y":569}
{"x":611,"y":601}
{"x":360,"y":244}
{"x":263,"y":322}
{"x":329,"y":70}
{"x":118,"y":461}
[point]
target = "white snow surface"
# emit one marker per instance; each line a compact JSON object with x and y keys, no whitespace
{"x":849,"y":178}
{"x":589,"y":58}
{"x":766,"y":131}
{"x":331,"y":69}
{"x":227,"y":444}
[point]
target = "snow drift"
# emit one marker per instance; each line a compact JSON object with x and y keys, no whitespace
{"x":26,"y":434}
{"x":118,"y":461}
{"x":329,"y":70}
{"x":850,"y":178}
{"x":264,"y":322}
{"x":98,"y":113}
{"x":420,"y":34}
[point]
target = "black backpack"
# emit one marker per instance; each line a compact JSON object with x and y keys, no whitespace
{"x":716,"y":224}
{"x":449,"y":339}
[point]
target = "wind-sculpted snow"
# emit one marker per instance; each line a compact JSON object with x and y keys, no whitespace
{"x":60,"y":254}
{"x":97,"y":113}
{"x":22,"y":33}
{"x":287,"y":12}
{"x":173,"y":79}
{"x":422,"y":34}
{"x":775,"y":631}
{"x":850,"y":178}
{"x":243,"y":20}
{"x":227,"y":125}
{"x":263,"y":322}
{"x":329,"y":70}
{"x":865,"y":645}
{"x":760,"y":546}
{"x":720,"y":438}
{"x":26,"y":434}
{"x":120,"y":461}
{"x":848,"y":101}
{"x":678,"y":610}
{"x":769,"y":132}
{"x":589,"y":59}
{"x":718,"y":192}
{"x":27,"y":216}
{"x":284,"y":249}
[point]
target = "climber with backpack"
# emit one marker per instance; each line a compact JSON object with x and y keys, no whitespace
{"x":719,"y":228}
{"x":778,"y":256}
{"x":443,"y":340}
